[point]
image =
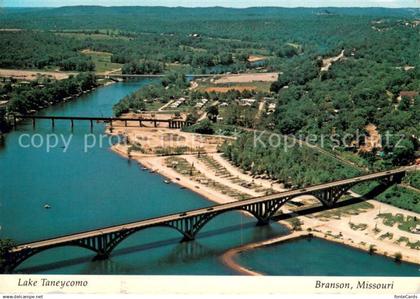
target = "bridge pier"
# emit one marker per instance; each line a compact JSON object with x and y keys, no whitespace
{"x":263,"y":222}
{"x":190,"y":223}
{"x":172,"y":123}
{"x":393,"y":179}
{"x":177,"y":124}
{"x":101,"y":256}
{"x":187,"y":238}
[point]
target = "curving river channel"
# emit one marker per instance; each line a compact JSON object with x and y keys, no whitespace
{"x":93,"y":187}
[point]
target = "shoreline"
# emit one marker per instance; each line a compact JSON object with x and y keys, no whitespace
{"x":169,"y":174}
{"x":229,"y":257}
{"x":63,"y":100}
{"x":317,"y":225}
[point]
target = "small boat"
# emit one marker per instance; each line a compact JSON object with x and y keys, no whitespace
{"x":47,"y":206}
{"x":144,"y":168}
{"x":167,"y":181}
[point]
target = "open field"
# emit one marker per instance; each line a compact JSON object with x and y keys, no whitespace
{"x":94,"y":36}
{"x":254,"y":58}
{"x":228,"y":88}
{"x":10,"y":29}
{"x":102,"y":61}
{"x":247,"y":78}
{"x":209,"y":85}
{"x":33,"y":75}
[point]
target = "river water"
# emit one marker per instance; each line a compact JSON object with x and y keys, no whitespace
{"x":88,"y":188}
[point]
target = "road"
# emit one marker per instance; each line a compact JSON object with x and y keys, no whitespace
{"x":218,"y":208}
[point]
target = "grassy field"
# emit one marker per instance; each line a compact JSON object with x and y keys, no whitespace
{"x":100,"y":35}
{"x":102,"y":61}
{"x":405,"y":223}
{"x":182,"y":166}
{"x":184,"y":68}
{"x":413,"y":179}
{"x":402,"y":198}
{"x":354,"y":209}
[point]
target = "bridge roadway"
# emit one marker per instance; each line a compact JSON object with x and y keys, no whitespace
{"x":210,"y":210}
{"x":152,"y":75}
{"x":94,"y":118}
{"x":173,"y":123}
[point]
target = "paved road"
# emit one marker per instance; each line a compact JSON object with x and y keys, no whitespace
{"x":223,"y":207}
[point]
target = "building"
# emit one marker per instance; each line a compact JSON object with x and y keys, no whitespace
{"x":201,"y":103}
{"x":177,"y":103}
{"x":272,"y":107}
{"x":3,"y":105}
{"x":247,"y":102}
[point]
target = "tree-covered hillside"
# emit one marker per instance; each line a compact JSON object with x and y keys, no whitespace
{"x":204,"y":37}
{"x":373,"y":80}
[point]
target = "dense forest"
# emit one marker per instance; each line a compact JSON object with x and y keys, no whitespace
{"x":24,"y":99}
{"x":286,"y":162}
{"x":146,"y":39}
{"x":38,"y":50}
{"x":368,"y":85}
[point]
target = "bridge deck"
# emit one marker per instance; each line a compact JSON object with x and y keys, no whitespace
{"x":217,"y":208}
{"x":96,"y":118}
{"x":153,"y":75}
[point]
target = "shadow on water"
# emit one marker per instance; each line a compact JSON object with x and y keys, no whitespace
{"x":182,"y":251}
{"x":190,"y":251}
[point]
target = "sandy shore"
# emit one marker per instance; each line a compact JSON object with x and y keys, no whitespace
{"x":336,"y":225}
{"x":228,"y":258}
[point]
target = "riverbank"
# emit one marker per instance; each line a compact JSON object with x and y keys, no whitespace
{"x":229,"y":257}
{"x":358,"y":226}
{"x":8,"y":123}
{"x":363,"y":225}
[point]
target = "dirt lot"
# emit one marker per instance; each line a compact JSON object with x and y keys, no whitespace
{"x":227,"y":88}
{"x":247,"y":78}
{"x":254,"y":58}
{"x":32,"y":75}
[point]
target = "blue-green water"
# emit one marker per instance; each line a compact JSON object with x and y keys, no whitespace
{"x":97,"y":188}
{"x":315,"y":257}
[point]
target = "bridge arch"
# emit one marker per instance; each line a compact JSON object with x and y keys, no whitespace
{"x":32,"y":252}
{"x":121,"y":236}
{"x":207,"y":218}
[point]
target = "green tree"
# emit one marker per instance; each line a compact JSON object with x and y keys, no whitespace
{"x":212,"y":113}
{"x":404,"y":152}
{"x":204,"y":127}
{"x":5,"y":246}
